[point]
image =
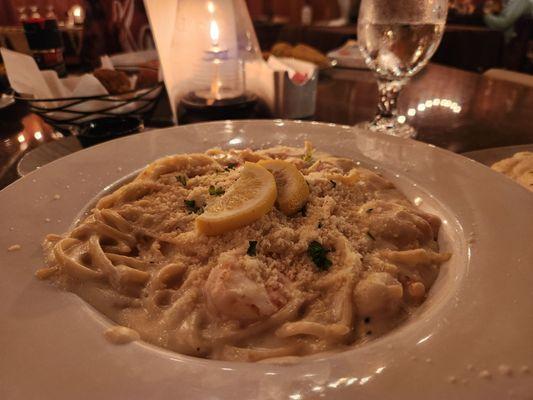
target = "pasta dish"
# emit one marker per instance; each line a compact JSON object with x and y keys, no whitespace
{"x":519,"y":168}
{"x":251,"y":255}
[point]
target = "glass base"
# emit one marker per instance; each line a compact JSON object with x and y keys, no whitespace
{"x":389,"y":126}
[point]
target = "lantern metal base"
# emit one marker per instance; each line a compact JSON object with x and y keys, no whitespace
{"x":193,"y":108}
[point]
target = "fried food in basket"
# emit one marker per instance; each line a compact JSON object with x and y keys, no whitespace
{"x":116,"y":82}
{"x":282,"y":49}
{"x":300,"y":52}
{"x":308,"y":53}
{"x":147,"y":78}
{"x":148,"y":75}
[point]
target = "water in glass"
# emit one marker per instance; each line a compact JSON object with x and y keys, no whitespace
{"x":397,"y":39}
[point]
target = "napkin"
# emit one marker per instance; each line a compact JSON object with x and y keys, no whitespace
{"x":349,"y":56}
{"x":25,"y":78}
{"x":298,"y":71}
{"x":161,"y":16}
{"x":24,"y":75}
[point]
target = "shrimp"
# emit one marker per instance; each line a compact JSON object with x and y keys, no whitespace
{"x":236,"y":291}
{"x":378,"y":293}
{"x":399,"y":224}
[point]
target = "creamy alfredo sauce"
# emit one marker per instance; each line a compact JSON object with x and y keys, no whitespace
{"x":349,"y":267}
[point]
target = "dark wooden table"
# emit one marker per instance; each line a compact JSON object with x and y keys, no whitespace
{"x":473,"y":111}
{"x":451,"y":108}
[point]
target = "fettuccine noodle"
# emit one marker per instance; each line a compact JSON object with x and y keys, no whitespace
{"x":353,"y":264}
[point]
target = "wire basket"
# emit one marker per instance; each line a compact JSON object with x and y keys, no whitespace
{"x":68,"y":112}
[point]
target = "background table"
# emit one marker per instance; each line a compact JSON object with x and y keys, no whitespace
{"x":474,"y":48}
{"x":451,"y":108}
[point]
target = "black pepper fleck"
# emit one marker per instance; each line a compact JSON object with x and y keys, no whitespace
{"x":252,"y":248}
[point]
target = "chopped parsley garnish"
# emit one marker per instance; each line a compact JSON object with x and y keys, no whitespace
{"x":191,"y":205}
{"x":182,"y":179}
{"x":216,"y":191}
{"x":252,"y":248}
{"x":308,"y":157}
{"x":231,"y":166}
{"x":370,"y":235}
{"x":319,"y":255}
{"x":333,"y":183}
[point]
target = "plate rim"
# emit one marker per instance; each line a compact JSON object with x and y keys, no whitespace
{"x":250,"y":123}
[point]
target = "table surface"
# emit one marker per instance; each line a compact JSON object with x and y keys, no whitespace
{"x":473,"y":111}
{"x":451,"y":108}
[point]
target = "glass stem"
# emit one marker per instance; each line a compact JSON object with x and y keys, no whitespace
{"x":388,"y":98}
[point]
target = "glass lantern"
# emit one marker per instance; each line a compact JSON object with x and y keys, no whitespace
{"x":212,"y":42}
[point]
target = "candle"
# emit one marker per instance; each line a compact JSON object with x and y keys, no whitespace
{"x":222,"y":66}
{"x":76,"y":15}
{"x":203,"y":55}
{"x":214,"y":32}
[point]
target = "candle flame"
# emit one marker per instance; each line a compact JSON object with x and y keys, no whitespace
{"x":76,"y":11}
{"x":215,"y":89}
{"x":210,"y":7}
{"x":214,"y":32}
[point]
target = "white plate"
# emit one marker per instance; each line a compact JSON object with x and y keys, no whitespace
{"x":478,"y":316}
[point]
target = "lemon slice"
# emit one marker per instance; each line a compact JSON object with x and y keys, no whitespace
{"x":293,"y":191}
{"x":248,"y":199}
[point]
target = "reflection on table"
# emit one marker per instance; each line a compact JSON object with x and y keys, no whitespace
{"x":454,"y":109}
{"x":19,"y":135}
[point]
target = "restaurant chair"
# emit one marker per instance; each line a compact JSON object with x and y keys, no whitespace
{"x":515,"y":52}
{"x":114,"y":27}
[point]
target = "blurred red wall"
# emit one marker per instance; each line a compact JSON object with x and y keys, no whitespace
{"x":291,"y":9}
